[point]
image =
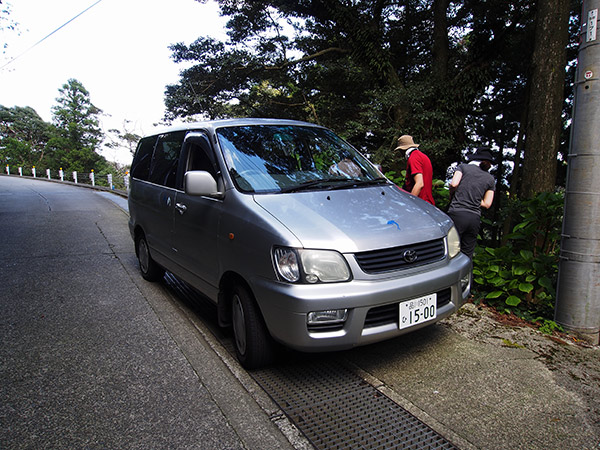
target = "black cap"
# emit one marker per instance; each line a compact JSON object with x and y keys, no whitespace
{"x":481,"y":154}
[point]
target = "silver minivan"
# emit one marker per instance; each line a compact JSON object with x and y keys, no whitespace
{"x":294,"y":235}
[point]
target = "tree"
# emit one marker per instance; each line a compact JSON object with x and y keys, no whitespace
{"x":76,"y":117}
{"x":369,"y":70}
{"x":77,"y":133}
{"x":547,"y":97}
{"x":23,"y":136}
{"x":70,"y":143}
{"x":125,"y":139}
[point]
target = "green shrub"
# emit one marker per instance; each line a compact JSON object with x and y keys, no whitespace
{"x":520,"y":275}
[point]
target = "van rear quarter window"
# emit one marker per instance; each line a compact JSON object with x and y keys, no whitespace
{"x":140,"y":168}
{"x":163,"y":169}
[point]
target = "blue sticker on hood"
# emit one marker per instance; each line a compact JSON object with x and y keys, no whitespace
{"x":393,"y":222}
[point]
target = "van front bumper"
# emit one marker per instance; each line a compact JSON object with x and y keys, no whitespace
{"x":285,"y":306}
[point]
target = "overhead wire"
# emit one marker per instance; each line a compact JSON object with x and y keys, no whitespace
{"x":50,"y":34}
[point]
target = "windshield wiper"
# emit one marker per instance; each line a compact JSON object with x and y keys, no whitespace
{"x":308,"y":185}
{"x":356,"y":183}
{"x":340,"y":183}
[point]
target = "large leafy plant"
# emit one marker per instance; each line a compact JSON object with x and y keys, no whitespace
{"x":520,"y":275}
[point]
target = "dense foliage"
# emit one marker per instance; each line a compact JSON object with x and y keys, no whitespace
{"x":520,"y":274}
{"x":70,"y":143}
{"x":451,"y":74}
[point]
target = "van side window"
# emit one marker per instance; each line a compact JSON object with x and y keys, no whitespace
{"x":163,"y":169}
{"x":140,"y":167}
{"x":199,"y":160}
{"x":198,"y":155}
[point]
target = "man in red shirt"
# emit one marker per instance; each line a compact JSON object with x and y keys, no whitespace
{"x":419,"y":173}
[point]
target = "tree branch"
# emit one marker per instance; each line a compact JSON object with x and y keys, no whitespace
{"x":308,"y":58}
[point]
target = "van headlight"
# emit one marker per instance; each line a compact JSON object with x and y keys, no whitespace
{"x":453,"y":242}
{"x":298,"y":265}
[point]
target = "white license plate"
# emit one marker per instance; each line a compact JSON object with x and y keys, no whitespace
{"x":418,"y":310}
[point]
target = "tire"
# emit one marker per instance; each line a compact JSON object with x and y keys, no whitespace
{"x":254,"y":346}
{"x":150,"y":270}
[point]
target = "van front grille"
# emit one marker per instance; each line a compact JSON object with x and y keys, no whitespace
{"x":400,"y":258}
{"x":386,"y":314}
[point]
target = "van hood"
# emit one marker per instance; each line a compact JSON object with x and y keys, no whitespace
{"x":359,"y":219}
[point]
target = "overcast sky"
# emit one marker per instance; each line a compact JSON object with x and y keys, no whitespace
{"x":118,"y":50}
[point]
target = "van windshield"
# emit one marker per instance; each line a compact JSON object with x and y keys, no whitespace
{"x":277,"y":158}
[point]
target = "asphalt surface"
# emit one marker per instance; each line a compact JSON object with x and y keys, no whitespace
{"x":86,"y":360}
{"x":93,"y":356}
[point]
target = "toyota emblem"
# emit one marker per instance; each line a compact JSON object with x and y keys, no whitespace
{"x":410,"y":256}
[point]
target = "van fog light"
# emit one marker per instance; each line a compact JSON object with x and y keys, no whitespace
{"x":328,"y":316}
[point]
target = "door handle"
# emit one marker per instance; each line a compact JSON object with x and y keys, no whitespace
{"x":180,"y":207}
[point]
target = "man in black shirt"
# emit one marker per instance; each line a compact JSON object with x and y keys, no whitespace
{"x":471,"y":189}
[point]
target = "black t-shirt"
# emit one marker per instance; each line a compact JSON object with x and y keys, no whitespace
{"x":471,"y":189}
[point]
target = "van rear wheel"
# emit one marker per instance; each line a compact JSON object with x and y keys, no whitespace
{"x":150,"y":270}
{"x":254,"y":346}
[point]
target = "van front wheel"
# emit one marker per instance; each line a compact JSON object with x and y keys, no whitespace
{"x":253,"y":344}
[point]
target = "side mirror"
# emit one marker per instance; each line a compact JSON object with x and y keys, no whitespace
{"x":199,"y":182}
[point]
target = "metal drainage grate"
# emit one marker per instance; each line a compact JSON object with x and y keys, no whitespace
{"x":337,"y":409}
{"x":334,"y":407}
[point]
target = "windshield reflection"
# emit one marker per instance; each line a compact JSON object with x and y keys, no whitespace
{"x":275,"y":158}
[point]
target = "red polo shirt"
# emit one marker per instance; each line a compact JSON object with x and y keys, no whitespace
{"x":418,"y":162}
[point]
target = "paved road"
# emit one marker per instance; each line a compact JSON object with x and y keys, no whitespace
{"x":92,"y":356}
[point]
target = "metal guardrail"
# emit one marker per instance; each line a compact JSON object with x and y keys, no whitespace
{"x":81,"y":182}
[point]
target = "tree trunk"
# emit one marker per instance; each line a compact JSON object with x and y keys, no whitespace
{"x":546,"y":97}
{"x":440,"y":52}
{"x":515,"y":180}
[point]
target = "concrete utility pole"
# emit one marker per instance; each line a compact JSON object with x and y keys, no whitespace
{"x":578,"y":293}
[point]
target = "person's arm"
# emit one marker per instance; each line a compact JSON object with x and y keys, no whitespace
{"x":488,"y":199}
{"x":455,"y":182}
{"x":418,"y":184}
